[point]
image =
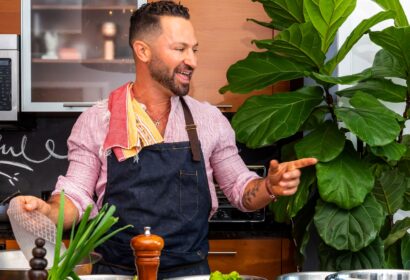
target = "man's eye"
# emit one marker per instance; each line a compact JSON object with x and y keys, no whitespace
{"x":180,"y":50}
{"x":195,"y":50}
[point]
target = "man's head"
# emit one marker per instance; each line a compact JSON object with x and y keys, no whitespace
{"x":163,"y":39}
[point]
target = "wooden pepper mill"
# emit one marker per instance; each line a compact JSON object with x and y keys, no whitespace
{"x":147,"y":249}
{"x":38,"y":263}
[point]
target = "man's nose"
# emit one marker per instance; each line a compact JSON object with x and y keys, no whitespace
{"x":191,"y":59}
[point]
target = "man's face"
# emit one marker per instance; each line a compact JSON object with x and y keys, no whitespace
{"x":174,"y":55}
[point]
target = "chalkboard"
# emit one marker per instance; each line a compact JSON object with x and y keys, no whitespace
{"x":32,"y":159}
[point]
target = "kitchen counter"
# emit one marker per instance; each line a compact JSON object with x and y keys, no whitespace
{"x":217,"y":230}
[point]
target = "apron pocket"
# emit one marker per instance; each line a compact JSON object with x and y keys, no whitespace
{"x":188,"y":193}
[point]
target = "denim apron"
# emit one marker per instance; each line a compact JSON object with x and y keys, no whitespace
{"x":165,"y":188}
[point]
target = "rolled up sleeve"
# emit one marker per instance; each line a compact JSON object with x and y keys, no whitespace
{"x":84,"y":163}
{"x":230,"y":171}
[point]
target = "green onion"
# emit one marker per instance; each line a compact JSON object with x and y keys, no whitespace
{"x":89,"y":235}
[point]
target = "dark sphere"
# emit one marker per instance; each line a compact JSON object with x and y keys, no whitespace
{"x":38,"y":264}
{"x":40,"y":242}
{"x":39,"y":252}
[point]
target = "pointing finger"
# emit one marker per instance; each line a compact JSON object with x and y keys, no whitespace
{"x":300,"y":163}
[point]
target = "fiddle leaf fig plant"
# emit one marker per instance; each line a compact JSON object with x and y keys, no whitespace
{"x":363,"y":174}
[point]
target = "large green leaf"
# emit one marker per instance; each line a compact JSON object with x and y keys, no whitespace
{"x":346,"y":180}
{"x":398,"y":231}
{"x":406,"y":141}
{"x":349,"y":229}
{"x":260,"y":70}
{"x":386,"y":65}
{"x":325,"y":143}
{"x":263,"y":44}
{"x":390,"y":189}
{"x":392,"y":151}
{"x":271,"y":25}
{"x":283,"y":12}
{"x":383,"y":89}
{"x":394,"y":5}
{"x":302,"y":252}
{"x":263,"y":120}
{"x":396,"y":41}
{"x":393,"y":257}
{"x":355,"y":36}
{"x":327,"y":16}
{"x":345,"y":80}
{"x":405,"y":251}
{"x":369,"y":257}
{"x":301,"y":43}
{"x":316,"y":118}
{"x":370,"y":120}
{"x":406,"y":201}
{"x":288,"y":206}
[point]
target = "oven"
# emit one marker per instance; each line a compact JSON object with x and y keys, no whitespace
{"x":226,"y":213}
{"x":9,"y":77}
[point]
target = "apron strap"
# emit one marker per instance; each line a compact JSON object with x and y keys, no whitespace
{"x":192,"y":133}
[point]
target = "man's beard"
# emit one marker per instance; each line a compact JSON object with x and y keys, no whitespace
{"x":159,"y":72}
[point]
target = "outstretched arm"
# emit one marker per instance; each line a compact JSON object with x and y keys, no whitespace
{"x":282,"y":180}
{"x":50,"y":208}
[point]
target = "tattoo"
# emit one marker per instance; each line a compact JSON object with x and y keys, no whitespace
{"x":250,"y":194}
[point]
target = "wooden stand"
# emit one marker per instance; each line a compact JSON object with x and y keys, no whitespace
{"x":147,"y":249}
{"x":38,"y":263}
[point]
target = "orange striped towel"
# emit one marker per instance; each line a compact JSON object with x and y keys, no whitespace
{"x":130,"y":127}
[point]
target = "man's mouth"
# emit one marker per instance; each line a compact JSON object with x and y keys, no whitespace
{"x":184,"y":76}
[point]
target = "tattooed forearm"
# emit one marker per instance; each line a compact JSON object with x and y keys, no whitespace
{"x":251,"y":193}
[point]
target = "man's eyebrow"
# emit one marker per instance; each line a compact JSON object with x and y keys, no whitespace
{"x":187,"y":45}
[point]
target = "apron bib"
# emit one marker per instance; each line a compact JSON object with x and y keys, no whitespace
{"x":166,"y":188}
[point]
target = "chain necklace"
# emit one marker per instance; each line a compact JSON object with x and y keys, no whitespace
{"x":157,"y":122}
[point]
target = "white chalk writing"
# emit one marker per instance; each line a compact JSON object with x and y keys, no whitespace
{"x":21,"y":153}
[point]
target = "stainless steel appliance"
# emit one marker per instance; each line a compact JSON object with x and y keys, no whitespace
{"x":229,"y":214}
{"x":9,"y":77}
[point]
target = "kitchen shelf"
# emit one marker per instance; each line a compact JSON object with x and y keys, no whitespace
{"x":82,"y":8}
{"x":83,"y":61}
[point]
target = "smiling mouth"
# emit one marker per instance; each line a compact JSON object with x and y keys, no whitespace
{"x":184,"y":76}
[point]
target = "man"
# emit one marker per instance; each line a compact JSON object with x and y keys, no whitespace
{"x":153,"y":151}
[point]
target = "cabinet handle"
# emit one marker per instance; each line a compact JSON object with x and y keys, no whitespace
{"x":79,"y":104}
{"x":223,"y":253}
{"x":224,"y":106}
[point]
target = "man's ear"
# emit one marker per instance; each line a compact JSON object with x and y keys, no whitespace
{"x":141,"y":50}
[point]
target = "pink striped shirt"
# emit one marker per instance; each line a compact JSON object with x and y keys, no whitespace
{"x":87,"y":171}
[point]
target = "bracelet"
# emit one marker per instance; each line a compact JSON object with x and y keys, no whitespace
{"x":271,"y":195}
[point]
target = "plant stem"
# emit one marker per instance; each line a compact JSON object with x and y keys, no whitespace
{"x":405,"y":115}
{"x":330,"y":103}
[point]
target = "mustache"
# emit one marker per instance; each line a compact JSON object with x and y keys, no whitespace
{"x":184,"y":67}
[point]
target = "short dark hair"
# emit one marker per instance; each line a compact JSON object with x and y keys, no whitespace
{"x":147,"y":17}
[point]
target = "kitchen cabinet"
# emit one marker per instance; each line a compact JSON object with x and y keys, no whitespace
{"x":74,"y":52}
{"x":68,"y":63}
{"x":265,"y":257}
{"x":9,"y":16}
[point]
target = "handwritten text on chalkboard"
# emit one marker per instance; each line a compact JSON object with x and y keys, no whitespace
{"x":18,"y":152}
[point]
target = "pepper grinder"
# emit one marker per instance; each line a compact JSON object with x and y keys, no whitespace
{"x":38,"y":263}
{"x":147,"y":249}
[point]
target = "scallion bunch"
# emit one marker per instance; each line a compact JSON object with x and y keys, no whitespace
{"x":89,"y":235}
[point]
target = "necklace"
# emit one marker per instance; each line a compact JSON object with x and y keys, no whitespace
{"x":157,"y":122}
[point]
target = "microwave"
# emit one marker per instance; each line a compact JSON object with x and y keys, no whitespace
{"x":9,"y":77}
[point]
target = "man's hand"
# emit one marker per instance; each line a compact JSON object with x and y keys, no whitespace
{"x":50,"y":208}
{"x":31,"y":203}
{"x":283,"y":178}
